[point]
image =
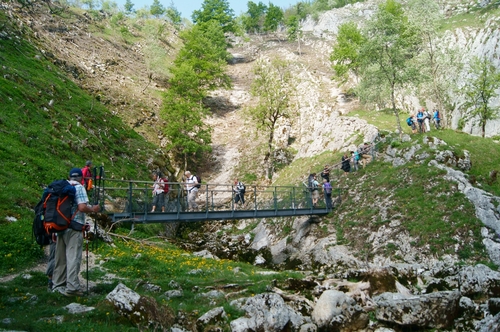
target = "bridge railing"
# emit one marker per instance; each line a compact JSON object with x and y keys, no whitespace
{"x":137,"y":197}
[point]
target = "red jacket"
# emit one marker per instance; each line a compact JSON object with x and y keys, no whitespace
{"x":86,"y":175}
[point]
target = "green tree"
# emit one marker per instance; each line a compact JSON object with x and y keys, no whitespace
{"x":254,"y":19}
{"x":479,"y":90}
{"x":217,"y":10}
{"x":388,"y":53}
{"x":273,"y":86}
{"x":205,"y":50}
{"x":199,"y":67}
{"x":188,"y":136}
{"x":157,"y":9}
{"x":346,"y":52}
{"x":293,"y":30}
{"x":437,"y":63}
{"x":274,"y":17}
{"x":129,"y":7}
{"x":174,"y":15}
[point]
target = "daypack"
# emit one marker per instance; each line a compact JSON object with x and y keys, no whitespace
{"x":39,"y":233}
{"x":241,"y":187}
{"x":409,"y":121}
{"x":58,"y":203}
{"x":165,"y":185}
{"x":199,"y":181}
{"x":310,"y":181}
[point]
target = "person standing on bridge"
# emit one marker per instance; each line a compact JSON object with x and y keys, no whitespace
{"x":159,"y":192}
{"x":192,"y":191}
{"x":239,"y":192}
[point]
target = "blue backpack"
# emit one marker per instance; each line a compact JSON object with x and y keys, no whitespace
{"x":409,"y":121}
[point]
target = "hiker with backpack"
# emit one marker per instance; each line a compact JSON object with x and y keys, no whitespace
{"x":160,"y":190}
{"x":365,"y":151}
{"x":354,"y":161}
{"x":410,"y":121}
{"x":68,"y":255}
{"x":420,"y":120}
{"x":427,"y":120}
{"x":239,"y":192}
{"x":325,"y":174}
{"x":346,"y":164}
{"x":192,"y":186}
{"x":437,"y":119}
{"x":314,"y":190}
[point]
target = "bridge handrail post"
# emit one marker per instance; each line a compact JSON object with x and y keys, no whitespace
{"x":275,"y":199}
{"x":146,"y":199}
{"x":130,"y":197}
{"x":179,"y":200}
{"x":255,"y":199}
{"x":212,"y":196}
{"x":232,"y":200}
{"x":294,"y":203}
{"x":206,"y":198}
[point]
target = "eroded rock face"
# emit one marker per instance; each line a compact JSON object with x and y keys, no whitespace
{"x":435,"y":310}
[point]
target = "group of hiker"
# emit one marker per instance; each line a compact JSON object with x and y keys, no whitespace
{"x":349,"y":162}
{"x":421,"y":120}
{"x":192,"y":184}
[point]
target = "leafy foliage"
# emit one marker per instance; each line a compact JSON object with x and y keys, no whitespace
{"x":479,"y":91}
{"x":157,"y":9}
{"x":173,"y":15}
{"x":254,"y":20}
{"x":199,"y":67}
{"x":391,"y":43}
{"x":273,"y":85}
{"x":274,"y":18}
{"x":346,"y":52}
{"x":216,"y":10}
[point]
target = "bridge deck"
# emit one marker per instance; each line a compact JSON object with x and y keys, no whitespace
{"x":165,"y":217}
{"x":131,"y":201}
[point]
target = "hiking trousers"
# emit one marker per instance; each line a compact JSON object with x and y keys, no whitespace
{"x":68,"y":259}
{"x":192,"y":193}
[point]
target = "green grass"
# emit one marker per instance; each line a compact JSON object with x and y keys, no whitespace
{"x":40,"y":143}
{"x":476,"y":17}
{"x":158,"y":264}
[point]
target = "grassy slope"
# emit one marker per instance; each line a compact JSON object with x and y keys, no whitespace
{"x":428,"y":208}
{"x":40,"y":143}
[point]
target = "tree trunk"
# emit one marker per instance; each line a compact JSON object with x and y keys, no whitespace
{"x":396,"y":113}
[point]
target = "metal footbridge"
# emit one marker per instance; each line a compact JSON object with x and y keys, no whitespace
{"x":131,"y":201}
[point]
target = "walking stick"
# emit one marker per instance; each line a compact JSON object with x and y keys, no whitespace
{"x":86,"y":234}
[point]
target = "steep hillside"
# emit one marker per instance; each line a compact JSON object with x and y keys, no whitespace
{"x":48,"y":125}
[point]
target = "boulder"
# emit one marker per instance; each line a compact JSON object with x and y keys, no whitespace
{"x":338,"y":312}
{"x":435,"y":310}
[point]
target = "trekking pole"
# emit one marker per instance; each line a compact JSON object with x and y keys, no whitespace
{"x":86,"y":234}
{"x":96,"y":201}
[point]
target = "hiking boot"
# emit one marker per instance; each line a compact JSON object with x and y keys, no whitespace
{"x":50,"y":285}
{"x":72,"y":293}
